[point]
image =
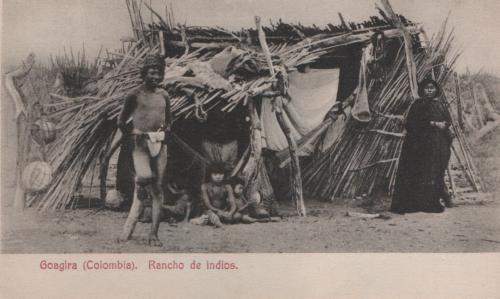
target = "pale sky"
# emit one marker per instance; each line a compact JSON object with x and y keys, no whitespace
{"x":47,"y":26}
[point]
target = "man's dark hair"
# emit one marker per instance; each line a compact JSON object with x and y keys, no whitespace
{"x":153,"y":61}
{"x":424,"y":82}
{"x":234,"y":181}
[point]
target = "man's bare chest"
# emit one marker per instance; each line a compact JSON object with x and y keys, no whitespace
{"x":153,"y":101}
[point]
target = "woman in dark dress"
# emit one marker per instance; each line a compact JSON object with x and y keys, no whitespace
{"x":424,"y":156}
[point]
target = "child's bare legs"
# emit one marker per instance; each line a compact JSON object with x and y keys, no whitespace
{"x":214,"y":219}
{"x":247,"y":219}
{"x":226,"y":217}
{"x":243,"y":218}
{"x":237,"y":217}
{"x":182,"y":207}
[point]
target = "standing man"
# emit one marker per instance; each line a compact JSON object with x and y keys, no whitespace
{"x":146,"y":117}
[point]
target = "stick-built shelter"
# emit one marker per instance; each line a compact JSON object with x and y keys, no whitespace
{"x":475,"y":112}
{"x":280,"y":91}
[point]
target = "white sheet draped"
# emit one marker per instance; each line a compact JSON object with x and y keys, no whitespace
{"x":313,"y":94}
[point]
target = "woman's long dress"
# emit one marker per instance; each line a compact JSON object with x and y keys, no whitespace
{"x":423,"y":161}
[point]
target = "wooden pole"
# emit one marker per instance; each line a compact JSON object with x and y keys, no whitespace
{"x":408,"y":43}
{"x":452,"y":183}
{"x":265,"y":48}
{"x":468,"y":166}
{"x":343,"y":22}
{"x":163,"y":52}
{"x":295,"y":175}
{"x":459,"y":102}
{"x":466,"y":169}
{"x":477,"y":108}
{"x":252,"y":169}
{"x":315,"y":42}
{"x":22,"y":117}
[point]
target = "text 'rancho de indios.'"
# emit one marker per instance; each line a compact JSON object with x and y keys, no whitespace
{"x":129,"y":265}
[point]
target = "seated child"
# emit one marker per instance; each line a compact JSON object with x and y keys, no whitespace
{"x":248,"y":211}
{"x":243,"y":206}
{"x":218,"y":198}
{"x":179,"y":206}
{"x":176,"y":205}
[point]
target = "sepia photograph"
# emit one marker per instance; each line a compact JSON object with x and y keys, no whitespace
{"x":249,"y":126}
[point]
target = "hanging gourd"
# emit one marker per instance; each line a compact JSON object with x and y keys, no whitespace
{"x":43,"y":131}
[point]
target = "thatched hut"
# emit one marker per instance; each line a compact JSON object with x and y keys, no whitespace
{"x":279,"y":91}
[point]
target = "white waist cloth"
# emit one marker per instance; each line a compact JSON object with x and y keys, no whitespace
{"x":154,"y":141}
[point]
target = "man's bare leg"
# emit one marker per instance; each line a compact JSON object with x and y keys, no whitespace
{"x":159,"y":166}
{"x":153,"y":239}
{"x":143,"y":179}
{"x":133,"y":216}
{"x":23,"y":148}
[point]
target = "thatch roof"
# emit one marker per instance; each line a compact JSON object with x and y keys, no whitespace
{"x":280,"y":32}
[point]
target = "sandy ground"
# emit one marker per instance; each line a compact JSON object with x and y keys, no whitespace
{"x":467,"y":228}
{"x":472,"y":226}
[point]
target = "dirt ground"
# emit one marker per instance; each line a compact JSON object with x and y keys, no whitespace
{"x":467,"y":228}
{"x":472,"y":226}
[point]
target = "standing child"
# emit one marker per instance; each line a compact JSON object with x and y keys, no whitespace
{"x":218,"y":197}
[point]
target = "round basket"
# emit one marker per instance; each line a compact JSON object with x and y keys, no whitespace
{"x":37,"y":176}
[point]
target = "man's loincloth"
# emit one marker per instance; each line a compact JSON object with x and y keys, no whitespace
{"x":147,"y":147}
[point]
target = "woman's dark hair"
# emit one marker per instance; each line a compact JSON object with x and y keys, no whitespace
{"x":216,"y":167}
{"x":424,"y":83}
